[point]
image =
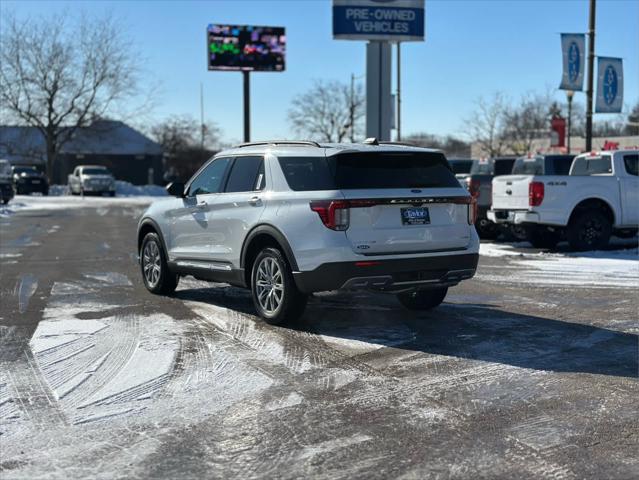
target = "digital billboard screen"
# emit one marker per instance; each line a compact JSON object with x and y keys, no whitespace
{"x":246,"y":48}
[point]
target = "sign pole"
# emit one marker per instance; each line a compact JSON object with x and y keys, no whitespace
{"x":247,"y":106}
{"x":591,"y":61}
{"x":399,"y":88}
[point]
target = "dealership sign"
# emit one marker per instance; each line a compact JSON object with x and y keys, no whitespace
{"x":609,"y":85}
{"x":382,"y":20}
{"x":573,"y":50}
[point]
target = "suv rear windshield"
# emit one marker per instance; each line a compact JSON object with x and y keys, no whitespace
{"x":356,"y":171}
{"x":493,"y":166}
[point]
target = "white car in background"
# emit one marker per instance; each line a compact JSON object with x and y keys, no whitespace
{"x":599,"y":197}
{"x":91,"y":179}
{"x":286,"y":219}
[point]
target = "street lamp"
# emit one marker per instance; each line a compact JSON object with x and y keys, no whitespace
{"x":569,"y":95}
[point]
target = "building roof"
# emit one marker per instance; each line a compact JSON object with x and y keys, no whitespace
{"x":104,"y":137}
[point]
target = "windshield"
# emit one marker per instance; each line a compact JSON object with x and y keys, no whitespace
{"x":482,"y":167}
{"x":529,"y":166}
{"x":95,"y":171}
{"x":461,"y":166}
{"x":24,"y":170}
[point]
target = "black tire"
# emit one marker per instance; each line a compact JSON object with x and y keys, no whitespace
{"x":486,"y":229}
{"x":111,"y":194}
{"x":423,"y":299}
{"x":167,"y":281}
{"x":589,"y":230}
{"x":5,"y":201}
{"x":291,"y":303}
{"x":45,"y":193}
{"x":540,"y":237}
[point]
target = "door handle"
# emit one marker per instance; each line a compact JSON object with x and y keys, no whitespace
{"x":255,"y":200}
{"x":201,"y":205}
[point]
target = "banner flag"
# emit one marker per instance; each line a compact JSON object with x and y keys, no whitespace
{"x":573,"y":46}
{"x":609,"y":85}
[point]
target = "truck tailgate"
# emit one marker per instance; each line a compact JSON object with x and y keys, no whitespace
{"x":511,"y":191}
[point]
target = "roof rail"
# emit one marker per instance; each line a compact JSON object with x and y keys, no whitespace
{"x":402,"y":144}
{"x":299,"y":143}
{"x":370,"y":141}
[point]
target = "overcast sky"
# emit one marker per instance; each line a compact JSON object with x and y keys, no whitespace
{"x":472,"y":48}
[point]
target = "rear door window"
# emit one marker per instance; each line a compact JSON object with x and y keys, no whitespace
{"x":592,"y":165}
{"x":392,"y":170}
{"x":631,"y":162}
{"x":244,"y":174}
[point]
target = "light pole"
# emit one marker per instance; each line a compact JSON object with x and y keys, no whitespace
{"x":569,"y":94}
{"x":352,"y":105}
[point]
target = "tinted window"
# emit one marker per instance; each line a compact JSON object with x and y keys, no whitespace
{"x":307,"y":173}
{"x":392,"y":170}
{"x":95,"y":171}
{"x":559,"y":164}
{"x":210,"y":179}
{"x":592,"y":165}
{"x":482,"y":167}
{"x":461,"y":166}
{"x":244,"y":173}
{"x":24,"y":170}
{"x":632,"y":164}
{"x":504,"y":166}
{"x":529,"y":166}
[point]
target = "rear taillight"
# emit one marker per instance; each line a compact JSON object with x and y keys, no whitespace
{"x":335,"y":214}
{"x":472,"y":212}
{"x":535,"y":193}
{"x":473,"y":186}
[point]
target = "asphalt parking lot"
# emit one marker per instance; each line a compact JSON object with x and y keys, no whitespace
{"x":528,"y":370}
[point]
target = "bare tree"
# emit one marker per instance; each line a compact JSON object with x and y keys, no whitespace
{"x":450,"y":145}
{"x":58,"y":74}
{"x":632,"y":122}
{"x":324,"y":112}
{"x":527,"y":121}
{"x":485,"y":126}
{"x":179,"y":133}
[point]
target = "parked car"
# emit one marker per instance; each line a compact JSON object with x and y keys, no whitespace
{"x":286,"y":219}
{"x":91,"y":179}
{"x":461,"y":167}
{"x":600,"y":196}
{"x":479,"y":185}
{"x":28,"y":179}
{"x":6,"y":185}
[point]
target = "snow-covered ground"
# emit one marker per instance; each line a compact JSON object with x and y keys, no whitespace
{"x":64,"y":202}
{"x":606,"y":268}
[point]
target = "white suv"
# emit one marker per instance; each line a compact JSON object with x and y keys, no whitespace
{"x":286,"y":219}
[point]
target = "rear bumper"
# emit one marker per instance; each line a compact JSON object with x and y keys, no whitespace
{"x":515,"y":217}
{"x":389,"y":275}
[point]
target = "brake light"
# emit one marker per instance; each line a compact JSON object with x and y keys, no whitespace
{"x":535,"y":193}
{"x":473,"y":186}
{"x":472,"y":212}
{"x":333,"y":213}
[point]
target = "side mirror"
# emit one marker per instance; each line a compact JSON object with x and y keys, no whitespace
{"x":175,"y":189}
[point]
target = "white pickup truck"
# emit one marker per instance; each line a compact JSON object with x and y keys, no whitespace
{"x":88,"y":179}
{"x":599,"y":197}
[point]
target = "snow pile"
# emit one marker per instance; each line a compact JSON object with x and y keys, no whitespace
{"x":123,"y":189}
{"x":30,"y":203}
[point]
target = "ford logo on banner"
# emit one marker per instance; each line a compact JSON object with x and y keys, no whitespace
{"x":573,"y":47}
{"x":609,"y":85}
{"x":383,"y":20}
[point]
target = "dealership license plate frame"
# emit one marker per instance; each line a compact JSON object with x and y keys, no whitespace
{"x":422,"y":219}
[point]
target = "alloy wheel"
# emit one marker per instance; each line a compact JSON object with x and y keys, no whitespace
{"x":269,"y":285}
{"x":151,"y":263}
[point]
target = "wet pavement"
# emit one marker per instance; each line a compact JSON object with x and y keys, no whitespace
{"x":529,"y":370}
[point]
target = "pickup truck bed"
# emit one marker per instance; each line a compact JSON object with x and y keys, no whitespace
{"x":600,"y":195}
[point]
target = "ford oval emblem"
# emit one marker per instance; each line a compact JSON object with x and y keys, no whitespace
{"x":416,"y":191}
